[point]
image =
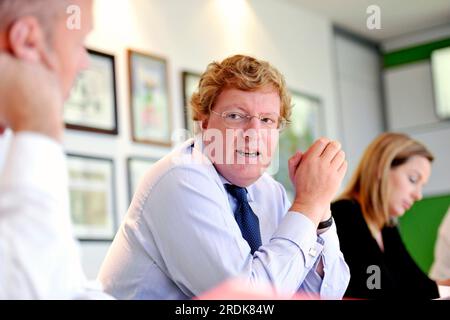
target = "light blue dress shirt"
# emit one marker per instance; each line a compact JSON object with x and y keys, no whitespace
{"x":180,"y":239}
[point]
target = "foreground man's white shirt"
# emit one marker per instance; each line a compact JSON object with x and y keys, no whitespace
{"x":39,"y":258}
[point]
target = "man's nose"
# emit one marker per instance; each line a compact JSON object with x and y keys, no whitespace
{"x":253,"y":123}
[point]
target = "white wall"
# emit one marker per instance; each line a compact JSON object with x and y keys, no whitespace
{"x":409,"y":96}
{"x":417,"y":38}
{"x":410,"y":106}
{"x":360,"y":103}
{"x":190,"y":34}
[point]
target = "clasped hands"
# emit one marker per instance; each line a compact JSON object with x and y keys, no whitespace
{"x":317,"y":175}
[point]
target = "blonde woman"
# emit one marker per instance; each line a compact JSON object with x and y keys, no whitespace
{"x":387,"y":182}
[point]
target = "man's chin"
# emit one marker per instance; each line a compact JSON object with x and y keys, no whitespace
{"x":245,"y":175}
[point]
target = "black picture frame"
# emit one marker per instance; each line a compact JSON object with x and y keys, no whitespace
{"x":92,"y":105}
{"x":189,"y":83}
{"x":92,"y":197}
{"x":307,"y":125}
{"x":150,"y":103}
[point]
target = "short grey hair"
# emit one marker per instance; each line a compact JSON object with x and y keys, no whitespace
{"x":46,"y":11}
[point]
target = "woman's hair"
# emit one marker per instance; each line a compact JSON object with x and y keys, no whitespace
{"x":369,"y":183}
{"x":238,"y":72}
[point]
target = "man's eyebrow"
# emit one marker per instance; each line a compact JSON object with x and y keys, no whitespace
{"x":236,"y":106}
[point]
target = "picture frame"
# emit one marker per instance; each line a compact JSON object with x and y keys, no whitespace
{"x":149,"y":99}
{"x":440,"y":66}
{"x":190,"y":82}
{"x":306,"y":126}
{"x":92,"y":105}
{"x":136,"y":169}
{"x":92,"y":195}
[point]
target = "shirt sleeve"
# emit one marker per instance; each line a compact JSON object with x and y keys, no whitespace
{"x":195,"y":235}
{"x":38,"y":256}
{"x":336,"y":271}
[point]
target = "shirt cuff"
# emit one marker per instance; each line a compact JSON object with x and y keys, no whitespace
{"x":331,"y":249}
{"x":300,"y":230}
{"x":35,"y":161}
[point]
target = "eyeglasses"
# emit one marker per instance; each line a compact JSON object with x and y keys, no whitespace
{"x":236,"y":120}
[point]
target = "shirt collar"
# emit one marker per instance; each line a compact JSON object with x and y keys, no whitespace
{"x":250,"y":196}
{"x":198,"y":147}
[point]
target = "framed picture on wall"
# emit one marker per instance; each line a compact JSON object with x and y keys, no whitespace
{"x":137,"y":167}
{"x":190,"y":81}
{"x":440,"y":63}
{"x":91,"y":187}
{"x":92,"y":105}
{"x":306,"y":126}
{"x":149,"y":99}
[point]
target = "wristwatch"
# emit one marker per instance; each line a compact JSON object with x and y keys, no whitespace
{"x":325,"y":224}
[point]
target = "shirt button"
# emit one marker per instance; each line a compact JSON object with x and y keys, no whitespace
{"x":312,"y":252}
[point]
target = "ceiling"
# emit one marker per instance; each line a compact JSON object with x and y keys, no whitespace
{"x":398,"y":17}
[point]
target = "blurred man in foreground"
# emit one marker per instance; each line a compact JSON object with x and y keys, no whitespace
{"x":41,"y":52}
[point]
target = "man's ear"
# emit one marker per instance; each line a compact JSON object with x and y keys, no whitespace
{"x":26,"y":39}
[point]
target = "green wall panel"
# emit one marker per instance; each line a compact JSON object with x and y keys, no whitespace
{"x":419,"y":227}
{"x":413,"y":54}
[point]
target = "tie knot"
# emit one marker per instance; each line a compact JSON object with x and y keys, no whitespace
{"x":239,"y":193}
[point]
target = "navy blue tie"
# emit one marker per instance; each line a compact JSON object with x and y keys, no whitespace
{"x":245,"y":217}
